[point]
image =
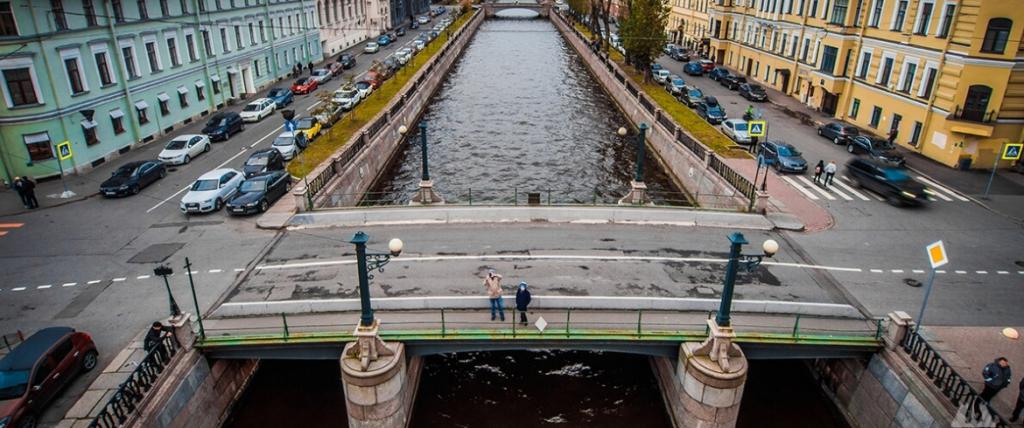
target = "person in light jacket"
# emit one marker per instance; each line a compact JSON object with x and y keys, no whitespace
{"x":493,"y":285}
{"x":522,"y":301}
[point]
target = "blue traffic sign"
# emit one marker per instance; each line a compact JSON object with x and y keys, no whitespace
{"x":289,"y":125}
{"x":757,"y":128}
{"x":1012,"y":151}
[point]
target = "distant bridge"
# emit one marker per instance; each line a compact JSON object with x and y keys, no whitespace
{"x":543,"y":7}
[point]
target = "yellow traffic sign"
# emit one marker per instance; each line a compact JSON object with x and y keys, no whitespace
{"x":758,"y":128}
{"x":64,"y":150}
{"x":1012,"y":151}
{"x":937,"y":254}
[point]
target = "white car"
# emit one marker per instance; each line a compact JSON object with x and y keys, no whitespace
{"x":287,"y":145}
{"x":661,"y":76}
{"x":321,"y":75}
{"x":211,"y":190}
{"x":364,"y":88}
{"x":403,"y":55}
{"x":347,"y":97}
{"x":422,"y":19}
{"x":257,"y":110}
{"x":371,"y":47}
{"x":737,"y":129}
{"x":183,"y":148}
{"x":418,"y":45}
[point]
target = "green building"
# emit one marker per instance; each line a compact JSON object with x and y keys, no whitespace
{"x":108,"y":75}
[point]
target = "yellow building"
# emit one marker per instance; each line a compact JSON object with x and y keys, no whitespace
{"x":946,"y":75}
{"x":688,"y":24}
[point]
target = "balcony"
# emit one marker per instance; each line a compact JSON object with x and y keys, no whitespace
{"x":972,"y":121}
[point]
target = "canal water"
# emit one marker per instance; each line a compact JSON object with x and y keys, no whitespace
{"x":520,"y":113}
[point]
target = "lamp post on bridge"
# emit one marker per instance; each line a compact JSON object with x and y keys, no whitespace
{"x":369,"y":348}
{"x":164,"y":271}
{"x":638,"y":190}
{"x":425,"y":195}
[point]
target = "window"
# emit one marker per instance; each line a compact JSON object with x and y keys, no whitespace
{"x":876,"y":116}
{"x":828,"y":59}
{"x":224,"y":44}
{"x":976,"y":103}
{"x":206,"y":43}
{"x":184,"y":6}
{"x":143,"y":13}
{"x":172,"y":51}
{"x":915,"y":135}
{"x":7,"y":24}
{"x":839,"y":12}
{"x":807,"y":47}
{"x":20,"y":86}
{"x":117,"y":119}
{"x":59,"y":20}
{"x":908,"y":77}
{"x":856,"y":13}
{"x":885,"y":71}
{"x":164,"y":9}
{"x":89,"y":132}
{"x":238,"y":37}
{"x":947,"y":20}
{"x":263,"y":33}
{"x":202,"y":5}
{"x":900,"y":16}
{"x":924,"y":19}
{"x":90,"y":13}
{"x":190,"y":46}
{"x":865,"y":65}
{"x":855,"y":109}
{"x":118,"y":10}
{"x":252,"y":35}
{"x":154,"y":57}
{"x":103,"y":68}
{"x":814,"y":8}
{"x":876,"y":13}
{"x":140,"y":109}
{"x":200,"y":90}
{"x":39,"y":147}
{"x":183,"y":96}
{"x":72,"y":67}
{"x":926,"y":85}
{"x":996,"y":36}
{"x":215,"y":80}
{"x":130,"y":67}
{"x":164,"y":101}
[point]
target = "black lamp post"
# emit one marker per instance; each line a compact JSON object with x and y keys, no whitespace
{"x":425,"y":174}
{"x":638,"y":174}
{"x":365,"y":262}
{"x":736,"y":259}
{"x":165,"y":271}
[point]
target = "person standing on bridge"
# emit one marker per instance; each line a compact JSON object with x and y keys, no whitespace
{"x":522,"y":301}
{"x":997,"y":376}
{"x":493,"y":285}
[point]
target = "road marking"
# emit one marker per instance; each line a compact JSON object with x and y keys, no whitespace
{"x":800,"y":188}
{"x":854,"y":192}
{"x":939,"y":194}
{"x":836,"y":191}
{"x":897,"y":271}
{"x":982,"y":272}
{"x":11,"y":225}
{"x":1002,"y":272}
{"x":119,"y":279}
{"x":215,"y":271}
{"x":824,"y":193}
{"x":877,"y":271}
{"x":69,"y":284}
{"x":917,"y":271}
{"x":95,"y":281}
{"x":18,"y":289}
{"x":961,"y":272}
{"x":142,"y":277}
{"x":43,"y":287}
{"x":940,"y":187}
{"x":313,"y":106}
{"x":194,"y":272}
{"x":239,"y":270}
{"x":940,"y":271}
{"x":1021,"y":272}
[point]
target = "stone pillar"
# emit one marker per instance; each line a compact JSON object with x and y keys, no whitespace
{"x":761,"y":202}
{"x":900,"y":324}
{"x":712,"y":375}
{"x":182,"y":327}
{"x":637,"y":195}
{"x":426,"y":195}
{"x":374,"y":376}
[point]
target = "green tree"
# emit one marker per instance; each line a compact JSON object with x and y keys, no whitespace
{"x":643,"y":32}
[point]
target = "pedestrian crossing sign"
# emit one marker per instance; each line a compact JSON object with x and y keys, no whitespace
{"x":1012,"y":151}
{"x":937,"y":254}
{"x":758,"y":128}
{"x":64,"y":150}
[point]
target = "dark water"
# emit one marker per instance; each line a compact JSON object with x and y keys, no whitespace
{"x":783,"y":394}
{"x":520,"y":112}
{"x":289,"y":393}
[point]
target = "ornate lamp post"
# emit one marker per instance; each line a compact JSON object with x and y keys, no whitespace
{"x":638,"y":190}
{"x":369,"y":347}
{"x":425,"y":195}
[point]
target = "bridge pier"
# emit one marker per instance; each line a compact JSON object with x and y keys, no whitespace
{"x":378,"y":396}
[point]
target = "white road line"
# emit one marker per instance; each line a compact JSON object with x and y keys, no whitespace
{"x":982,"y":272}
{"x":940,"y":187}
{"x":827,"y":195}
{"x":939,"y":195}
{"x":95,"y":281}
{"x":897,"y":271}
{"x":917,"y":271}
{"x":961,"y":272}
{"x":195,"y":272}
{"x":854,"y":192}
{"x":1021,"y":272}
{"x":168,"y":198}
{"x":940,"y":271}
{"x":877,"y":271}
{"x":1002,"y":272}
{"x":836,"y":191}
{"x":43,"y":287}
{"x":239,"y":270}
{"x":119,"y":279}
{"x":215,"y":271}
{"x":142,"y":277}
{"x":69,"y":284}
{"x":314,"y":106}
{"x":800,"y":188}
{"x":18,"y":289}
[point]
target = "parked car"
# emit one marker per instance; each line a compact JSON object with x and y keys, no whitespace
{"x":707,"y":64}
{"x":893,"y":183}
{"x":375,"y":78}
{"x":364,"y":88}
{"x":258,"y":109}
{"x":718,"y":73}
{"x":288,"y":145}
{"x":414,"y":25}
{"x":308,"y":126}
{"x":223,"y":125}
{"x":737,"y":130}
{"x":321,"y":75}
{"x":132,"y":177}
{"x":257,"y":193}
{"x":661,"y":76}
{"x":693,"y":68}
{"x":400,"y":32}
{"x":680,"y":54}
{"x":347,"y":60}
{"x":711,"y":110}
{"x":655,"y":67}
{"x":209,"y":192}
{"x":403,"y":55}
{"x":335,"y":68}
{"x":328,"y":114}
{"x":183,"y":148}
{"x":261,"y":161}
{"x":281,"y":96}
{"x":877,"y":149}
{"x":691,"y":96}
{"x":837,"y":132}
{"x":372,"y":47}
{"x":347,"y":97}
{"x":383,"y":40}
{"x":423,"y":19}
{"x":732,"y":81}
{"x":753,"y":92}
{"x":419,"y":44}
{"x":36,"y":371}
{"x":783,"y":156}
{"x":305,"y":85}
{"x":668,"y":48}
{"x":675,"y":85}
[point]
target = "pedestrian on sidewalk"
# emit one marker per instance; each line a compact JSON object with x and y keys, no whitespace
{"x":1020,"y":402}
{"x":830,"y":172}
{"x":493,"y":285}
{"x":26,"y":188}
{"x":522,"y":301}
{"x":997,"y":376}
{"x":892,"y":135}
{"x":818,"y":169}
{"x":19,"y":186}
{"x":310,"y":65}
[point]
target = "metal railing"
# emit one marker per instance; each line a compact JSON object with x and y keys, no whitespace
{"x":695,"y":147}
{"x":974,"y":115}
{"x":11,"y":340}
{"x":734,"y":178}
{"x":646,"y":103}
{"x":942,"y":374}
{"x":125,"y":400}
{"x":667,"y":122}
{"x":515,"y":196}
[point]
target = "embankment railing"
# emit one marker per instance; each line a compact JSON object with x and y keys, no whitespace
{"x":133,"y":390}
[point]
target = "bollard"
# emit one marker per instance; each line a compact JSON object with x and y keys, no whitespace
{"x":442,"y":323}
{"x":796,"y":326}
{"x":568,"y":313}
{"x":639,"y":322}
{"x":284,"y":320}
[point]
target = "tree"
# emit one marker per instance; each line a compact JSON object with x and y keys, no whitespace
{"x":643,"y":32}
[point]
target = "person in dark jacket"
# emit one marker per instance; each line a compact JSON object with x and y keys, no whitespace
{"x":154,"y":336}
{"x":29,"y":188}
{"x":19,"y":186}
{"x":997,"y":376}
{"x":1020,"y":402}
{"x":522,"y":301}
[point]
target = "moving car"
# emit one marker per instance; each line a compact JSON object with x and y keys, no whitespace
{"x":223,"y":125}
{"x":321,"y":75}
{"x":305,"y":85}
{"x":364,"y":88}
{"x":347,"y":60}
{"x":281,"y":96}
{"x":347,"y":97}
{"x":691,"y":96}
{"x":371,"y":47}
{"x":257,"y":193}
{"x":132,"y":177}
{"x":261,"y":161}
{"x":675,"y":85}
{"x":718,"y":73}
{"x":258,"y":109}
{"x":183,"y":148}
{"x":308,"y":126}
{"x":661,"y":76}
{"x":37,"y":370}
{"x":732,"y":81}
{"x":711,"y":110}
{"x":736,"y":129}
{"x":383,"y":40}
{"x":837,"y":132}
{"x":693,"y":68}
{"x":209,"y":192}
{"x":893,"y":183}
{"x":877,"y":149}
{"x":288,"y":145}
{"x":753,"y":92}
{"x":783,"y":156}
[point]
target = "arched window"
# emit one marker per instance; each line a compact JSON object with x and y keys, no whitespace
{"x":327,"y":13}
{"x":996,"y":36}
{"x":976,"y":103}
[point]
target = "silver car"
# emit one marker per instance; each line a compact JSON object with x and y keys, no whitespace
{"x":737,"y":129}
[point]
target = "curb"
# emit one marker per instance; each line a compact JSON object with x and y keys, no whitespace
{"x":80,"y":198}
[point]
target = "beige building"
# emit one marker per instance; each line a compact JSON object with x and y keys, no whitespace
{"x":688,"y":24}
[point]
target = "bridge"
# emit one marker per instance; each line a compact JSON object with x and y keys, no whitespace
{"x":543,"y":7}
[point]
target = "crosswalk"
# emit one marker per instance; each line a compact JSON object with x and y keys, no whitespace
{"x":843,"y":189}
{"x":6,"y":227}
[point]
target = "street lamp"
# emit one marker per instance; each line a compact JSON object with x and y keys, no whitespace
{"x":366,"y":262}
{"x":425,"y":176}
{"x":736,"y":259}
{"x":164,"y":271}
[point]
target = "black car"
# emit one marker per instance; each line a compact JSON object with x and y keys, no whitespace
{"x":878,"y":149}
{"x":347,"y":60}
{"x":262,"y":161}
{"x":400,"y":32}
{"x":893,"y":183}
{"x":711,"y":111}
{"x":257,"y":193}
{"x":223,"y":125}
{"x":838,"y":132}
{"x":132,"y":177}
{"x":732,"y":81}
{"x":753,"y":92}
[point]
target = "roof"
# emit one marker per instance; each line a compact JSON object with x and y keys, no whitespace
{"x":216,"y":174}
{"x":264,"y":152}
{"x":260,"y":101}
{"x":24,"y":357}
{"x":186,"y":137}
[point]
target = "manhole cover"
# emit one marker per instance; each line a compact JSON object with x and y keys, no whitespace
{"x":156,"y":253}
{"x":912,"y":282}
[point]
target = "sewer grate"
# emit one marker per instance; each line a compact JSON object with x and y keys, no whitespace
{"x":156,"y":253}
{"x":912,"y":282}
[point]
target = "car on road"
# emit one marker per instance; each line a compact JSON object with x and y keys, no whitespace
{"x":132,"y":177}
{"x":328,"y":114}
{"x":718,"y":73}
{"x":403,"y":56}
{"x":783,"y":156}
{"x":288,"y":145}
{"x":675,"y":85}
{"x":661,"y":76}
{"x":258,"y":109}
{"x":223,"y":125}
{"x":737,"y":130}
{"x":711,"y":111}
{"x":183,"y":148}
{"x":309,"y":126}
{"x":209,"y":192}
{"x":423,"y":19}
{"x":877,"y":149}
{"x":894,"y":184}
{"x":305,"y":85}
{"x":321,"y":75}
{"x":732,"y":81}
{"x":335,"y":68}
{"x":347,"y":60}
{"x":383,"y":40}
{"x":419,"y":44}
{"x":347,"y":97}
{"x":668,"y":48}
{"x":753,"y":92}
{"x":839,"y":133}
{"x":655,"y":67}
{"x":693,"y":68}
{"x":707,"y":64}
{"x":262,"y":161}
{"x":257,"y":193}
{"x":680,"y":54}
{"x":371,"y":47}
{"x":36,"y":371}
{"x":281,"y":96}
{"x":365,"y":89}
{"x":400,"y":32}
{"x":414,"y":25}
{"x":691,"y":96}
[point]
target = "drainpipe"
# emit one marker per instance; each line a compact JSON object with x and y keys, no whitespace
{"x":273,"y":37}
{"x":53,"y":87}
{"x":198,"y":39}
{"x":799,"y":49}
{"x":919,"y":148}
{"x":120,"y":70}
{"x":305,"y":34}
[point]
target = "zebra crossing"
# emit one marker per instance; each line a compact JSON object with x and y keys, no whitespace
{"x":843,"y":189}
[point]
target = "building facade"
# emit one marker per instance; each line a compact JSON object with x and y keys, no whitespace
{"x":106,"y":75}
{"x":343,"y":24}
{"x":947,"y":76}
{"x":688,"y":24}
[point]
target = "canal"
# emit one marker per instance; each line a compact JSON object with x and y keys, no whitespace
{"x":520,"y":113}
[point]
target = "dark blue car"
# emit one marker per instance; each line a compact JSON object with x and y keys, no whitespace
{"x":711,"y":111}
{"x":257,"y":193}
{"x":383,"y":40}
{"x":281,"y":96}
{"x":693,"y":68}
{"x":718,"y":73}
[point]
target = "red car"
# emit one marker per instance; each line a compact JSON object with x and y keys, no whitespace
{"x":34,"y":372}
{"x":707,"y":65}
{"x":375,"y":78}
{"x":335,"y":69}
{"x":304,"y":85}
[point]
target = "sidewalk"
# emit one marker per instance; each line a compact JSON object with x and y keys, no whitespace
{"x":784,"y":199}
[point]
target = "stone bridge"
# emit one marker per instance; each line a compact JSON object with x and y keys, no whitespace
{"x":543,"y":7}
